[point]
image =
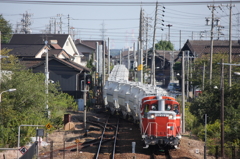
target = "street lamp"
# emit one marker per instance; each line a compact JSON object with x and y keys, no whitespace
{"x":10,"y":90}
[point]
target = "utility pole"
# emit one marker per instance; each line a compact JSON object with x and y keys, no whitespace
{"x":68,"y":24}
{"x":203,"y":77}
{"x":211,"y":49}
{"x":222,"y":109}
{"x":128,"y":60}
{"x":103,"y":64}
{"x":120,"y":57}
{"x":153,"y":53}
{"x":183,"y":92}
{"x":135,"y":61}
{"x":60,"y":23}
{"x":180,"y":40}
{"x":230,"y":44}
{"x":169,"y":31}
{"x":140,"y":48}
{"x":108,"y":57}
{"x":147,"y":27}
{"x":84,"y":100}
{"x":97,"y":57}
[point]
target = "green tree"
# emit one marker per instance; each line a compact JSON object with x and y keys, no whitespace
{"x":209,"y":101}
{"x":6,"y":30}
{"x":27,"y":105}
{"x":164,"y":45}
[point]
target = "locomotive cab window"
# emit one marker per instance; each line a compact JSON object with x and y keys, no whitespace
{"x":146,"y":108}
{"x":168,"y":107}
{"x":175,"y":108}
{"x":154,"y":107}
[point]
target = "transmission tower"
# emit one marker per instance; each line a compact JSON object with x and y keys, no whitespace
{"x":26,"y":23}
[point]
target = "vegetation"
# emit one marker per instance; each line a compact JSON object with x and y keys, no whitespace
{"x":6,"y":30}
{"x":164,"y":45}
{"x":209,"y":102}
{"x":27,"y":105}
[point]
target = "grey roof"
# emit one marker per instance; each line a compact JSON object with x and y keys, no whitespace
{"x":35,"y":62}
{"x":23,"y":50}
{"x":201,"y":47}
{"x":38,"y":39}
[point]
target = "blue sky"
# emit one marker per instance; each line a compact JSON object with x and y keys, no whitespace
{"x":121,"y":23}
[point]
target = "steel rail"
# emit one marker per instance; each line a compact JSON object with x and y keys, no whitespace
{"x":115,"y":140}
{"x":100,"y":143}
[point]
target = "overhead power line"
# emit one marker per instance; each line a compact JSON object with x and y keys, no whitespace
{"x":92,"y":3}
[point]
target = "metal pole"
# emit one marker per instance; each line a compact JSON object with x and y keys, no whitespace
{"x":84,"y":99}
{"x":0,"y":60}
{"x":230,"y":45}
{"x":205,"y":146}
{"x":128,"y":61}
{"x":211,"y":53}
{"x":183,"y":93}
{"x":97,"y":57}
{"x":120,"y":57}
{"x":153,"y":56}
{"x":103,"y":63}
{"x":46,"y":79}
{"x":222,"y":109}
{"x":203,"y":77}
{"x":108,"y":57}
{"x":187,"y":87}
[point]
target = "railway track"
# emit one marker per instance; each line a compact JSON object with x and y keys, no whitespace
{"x":111,"y":130}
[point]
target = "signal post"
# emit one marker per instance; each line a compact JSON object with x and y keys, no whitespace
{"x":86,"y":82}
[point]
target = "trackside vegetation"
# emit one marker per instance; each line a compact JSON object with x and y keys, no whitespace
{"x":27,"y":105}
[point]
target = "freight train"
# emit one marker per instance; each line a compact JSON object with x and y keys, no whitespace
{"x":157,"y":112}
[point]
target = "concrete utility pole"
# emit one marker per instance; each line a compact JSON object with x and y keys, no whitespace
{"x":230,"y":44}
{"x":222,"y":109}
{"x":147,"y":27}
{"x":211,"y":49}
{"x":128,"y":60}
{"x":203,"y":77}
{"x":169,"y":31}
{"x":103,"y":64}
{"x":140,"y":48}
{"x":68,"y":24}
{"x":97,"y":57}
{"x":84,"y":100}
{"x":183,"y":92}
{"x":108,"y":57}
{"x":153,"y":53}
{"x":60,"y":23}
{"x":180,"y":40}
{"x":46,"y":78}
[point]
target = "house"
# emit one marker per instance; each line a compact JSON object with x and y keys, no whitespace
{"x":56,"y":41}
{"x":88,"y":49}
{"x":198,"y":48}
{"x":62,"y":65}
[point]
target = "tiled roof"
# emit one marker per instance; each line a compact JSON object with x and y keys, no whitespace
{"x":24,"y":50}
{"x":89,"y":43}
{"x":201,"y":47}
{"x":33,"y":62}
{"x":38,"y":38}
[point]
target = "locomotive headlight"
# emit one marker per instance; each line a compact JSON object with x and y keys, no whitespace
{"x":152,"y":116}
{"x":170,"y":116}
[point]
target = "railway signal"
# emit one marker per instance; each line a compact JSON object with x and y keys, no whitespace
{"x":88,"y":80}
